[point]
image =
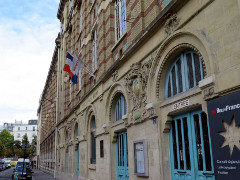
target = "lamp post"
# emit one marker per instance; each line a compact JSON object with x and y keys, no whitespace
{"x":24,"y":147}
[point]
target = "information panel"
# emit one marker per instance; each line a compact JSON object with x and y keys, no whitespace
{"x":224,"y":120}
{"x":140,"y":158}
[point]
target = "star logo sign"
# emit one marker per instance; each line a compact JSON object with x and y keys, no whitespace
{"x":231,"y":135}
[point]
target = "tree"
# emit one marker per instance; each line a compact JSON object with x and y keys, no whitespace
{"x":25,"y":145}
{"x":17,"y":146}
{"x":7,"y":140}
{"x":34,"y":146}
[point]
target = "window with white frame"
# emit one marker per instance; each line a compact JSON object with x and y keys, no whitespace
{"x":120,"y":108}
{"x":70,"y":6}
{"x":80,"y":19}
{"x":18,"y":135}
{"x":71,"y":43}
{"x":120,"y":18}
{"x":94,"y":51}
{"x":80,"y":79}
{"x":70,"y":91}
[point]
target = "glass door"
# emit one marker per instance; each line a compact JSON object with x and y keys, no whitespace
{"x":77,"y":162}
{"x":190,"y":147}
{"x":122,"y":157}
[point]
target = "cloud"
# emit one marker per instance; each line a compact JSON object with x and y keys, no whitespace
{"x":27,"y":41}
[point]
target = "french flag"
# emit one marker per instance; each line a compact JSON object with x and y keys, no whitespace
{"x":69,"y":65}
{"x":72,"y":65}
{"x":77,"y":65}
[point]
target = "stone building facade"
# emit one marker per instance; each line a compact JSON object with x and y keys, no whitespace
{"x":140,"y":108}
{"x":46,"y":144}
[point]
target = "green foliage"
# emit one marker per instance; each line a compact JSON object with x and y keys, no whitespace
{"x":11,"y":148}
{"x":17,"y":144}
{"x":6,"y":138}
{"x":25,"y":139}
{"x":6,"y":145}
{"x":34,"y":146}
{"x":25,"y":146}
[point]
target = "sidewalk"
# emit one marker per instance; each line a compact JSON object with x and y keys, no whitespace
{"x":39,"y":175}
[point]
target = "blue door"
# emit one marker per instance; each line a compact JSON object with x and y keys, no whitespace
{"x":190,"y":147}
{"x":122,"y":157}
{"x":77,"y":161}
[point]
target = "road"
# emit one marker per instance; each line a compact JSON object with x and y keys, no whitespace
{"x":6,"y":174}
{"x":37,"y":175}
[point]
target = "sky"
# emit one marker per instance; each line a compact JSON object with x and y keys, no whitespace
{"x":28,"y":29}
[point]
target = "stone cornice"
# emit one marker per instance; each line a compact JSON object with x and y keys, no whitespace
{"x":60,"y":9}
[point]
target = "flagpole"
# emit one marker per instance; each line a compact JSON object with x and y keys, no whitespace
{"x":85,"y":66}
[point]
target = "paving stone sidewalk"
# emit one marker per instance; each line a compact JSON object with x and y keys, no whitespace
{"x":39,"y":175}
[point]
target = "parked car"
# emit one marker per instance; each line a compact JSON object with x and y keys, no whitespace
{"x":7,"y":164}
{"x":2,"y":165}
{"x":13,"y":162}
{"x":26,"y":162}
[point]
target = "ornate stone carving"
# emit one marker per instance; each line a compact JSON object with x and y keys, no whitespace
{"x":69,"y":128}
{"x":101,"y":97}
{"x":115,"y":76}
{"x":114,"y":137}
{"x":207,"y":86}
{"x":208,"y":92}
{"x":136,"y":85}
{"x":171,"y":24}
{"x":76,"y":146}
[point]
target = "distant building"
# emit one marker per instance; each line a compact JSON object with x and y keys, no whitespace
{"x":8,"y":126}
{"x":20,"y":129}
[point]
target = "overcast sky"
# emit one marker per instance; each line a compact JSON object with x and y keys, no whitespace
{"x":28,"y":29}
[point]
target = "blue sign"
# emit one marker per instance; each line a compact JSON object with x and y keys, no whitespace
{"x":155,"y":121}
{"x":224,"y":120}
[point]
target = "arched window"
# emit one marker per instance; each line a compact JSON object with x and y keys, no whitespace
{"x":76,"y":130}
{"x":93,"y":141}
{"x":66,"y":136}
{"x":120,"y":108}
{"x":184,"y":73}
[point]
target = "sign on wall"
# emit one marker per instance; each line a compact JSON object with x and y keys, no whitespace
{"x":140,"y":158}
{"x":181,"y":104}
{"x":224,"y":120}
